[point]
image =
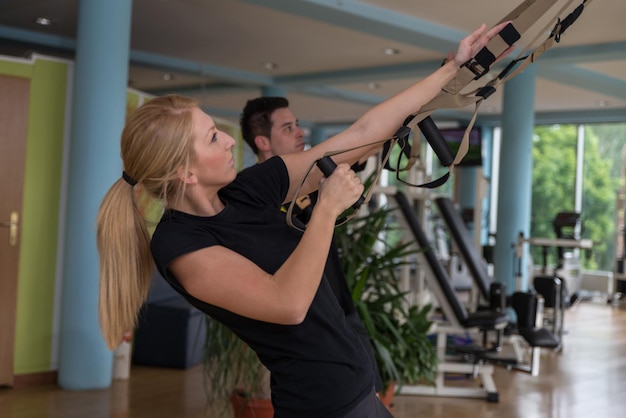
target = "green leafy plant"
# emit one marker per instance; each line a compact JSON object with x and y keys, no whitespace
{"x":372,"y":254}
{"x":231,"y":366}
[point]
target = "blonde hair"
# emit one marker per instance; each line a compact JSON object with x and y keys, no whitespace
{"x":156,"y":142}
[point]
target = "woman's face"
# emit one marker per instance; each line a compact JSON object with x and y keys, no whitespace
{"x":213,"y":164}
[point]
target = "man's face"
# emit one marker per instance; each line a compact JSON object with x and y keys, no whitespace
{"x":286,"y":136}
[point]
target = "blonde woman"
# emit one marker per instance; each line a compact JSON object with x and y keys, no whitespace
{"x":223,"y":242}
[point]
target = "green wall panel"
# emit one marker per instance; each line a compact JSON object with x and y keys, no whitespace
{"x":42,"y":187}
{"x":50,"y":83}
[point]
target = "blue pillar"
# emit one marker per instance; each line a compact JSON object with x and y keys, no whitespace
{"x":465,"y":178}
{"x":465,"y":187}
{"x":317,"y":135}
{"x":487,"y":147}
{"x":515,"y":186}
{"x":98,"y":114}
{"x":273,"y":91}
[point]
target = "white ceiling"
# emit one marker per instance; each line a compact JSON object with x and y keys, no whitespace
{"x":329,"y":52}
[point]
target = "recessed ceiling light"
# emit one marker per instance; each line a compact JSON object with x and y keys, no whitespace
{"x":44,"y":21}
{"x":168,"y":77}
{"x":391,"y":51}
{"x":270,"y":65}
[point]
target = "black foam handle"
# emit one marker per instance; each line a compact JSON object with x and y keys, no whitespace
{"x":327,"y":166}
{"x":436,"y":141}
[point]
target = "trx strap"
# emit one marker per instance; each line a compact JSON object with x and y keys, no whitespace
{"x":322,"y":163}
{"x":521,"y":19}
{"x":451,"y":96}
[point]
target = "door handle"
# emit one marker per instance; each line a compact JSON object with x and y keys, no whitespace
{"x":12,"y":224}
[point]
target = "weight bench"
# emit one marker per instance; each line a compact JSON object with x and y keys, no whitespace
{"x":457,"y":319}
{"x":528,"y":307}
{"x":554,"y":292}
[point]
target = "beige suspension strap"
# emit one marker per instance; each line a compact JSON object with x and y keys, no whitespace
{"x":357,"y":206}
{"x":521,"y":18}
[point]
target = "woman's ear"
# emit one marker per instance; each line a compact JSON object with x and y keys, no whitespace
{"x":186,"y":175}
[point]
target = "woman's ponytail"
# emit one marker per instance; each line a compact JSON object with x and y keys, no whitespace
{"x":125,"y":262}
{"x":156,"y":141}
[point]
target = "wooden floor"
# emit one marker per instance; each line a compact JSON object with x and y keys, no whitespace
{"x":586,"y":380}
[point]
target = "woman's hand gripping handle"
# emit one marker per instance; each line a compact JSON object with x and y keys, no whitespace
{"x":352,"y":183}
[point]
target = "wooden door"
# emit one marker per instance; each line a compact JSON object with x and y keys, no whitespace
{"x":14,"y":94}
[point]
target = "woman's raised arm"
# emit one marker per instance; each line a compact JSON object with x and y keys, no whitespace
{"x":383,"y":120}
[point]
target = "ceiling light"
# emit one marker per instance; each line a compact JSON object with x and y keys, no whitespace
{"x":270,"y":65}
{"x":373,"y":86}
{"x":44,"y":21}
{"x":168,"y":77}
{"x":391,"y":51}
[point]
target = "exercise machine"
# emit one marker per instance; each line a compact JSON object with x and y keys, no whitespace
{"x":476,"y":362}
{"x":530,"y":335}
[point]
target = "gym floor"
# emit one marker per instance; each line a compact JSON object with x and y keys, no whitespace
{"x":586,"y":379}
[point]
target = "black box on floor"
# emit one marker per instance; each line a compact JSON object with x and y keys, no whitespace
{"x":170,"y":333}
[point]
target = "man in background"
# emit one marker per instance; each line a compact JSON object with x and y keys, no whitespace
{"x":270,"y":128}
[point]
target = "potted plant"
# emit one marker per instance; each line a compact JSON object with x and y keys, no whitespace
{"x":234,"y":373}
{"x":372,"y":253}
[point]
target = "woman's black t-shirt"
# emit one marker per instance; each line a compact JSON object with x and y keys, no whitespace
{"x":320,"y":368}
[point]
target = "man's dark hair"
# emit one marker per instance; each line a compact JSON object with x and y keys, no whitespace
{"x":256,"y":118}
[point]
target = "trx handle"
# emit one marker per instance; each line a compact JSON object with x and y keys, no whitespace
{"x":327,"y":166}
{"x":436,"y":141}
{"x":440,"y":148}
{"x":402,"y":140}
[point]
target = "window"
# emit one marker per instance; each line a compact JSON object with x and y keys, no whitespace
{"x":577,"y":169}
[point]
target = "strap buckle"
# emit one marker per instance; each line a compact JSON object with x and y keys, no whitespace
{"x":480,"y":63}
